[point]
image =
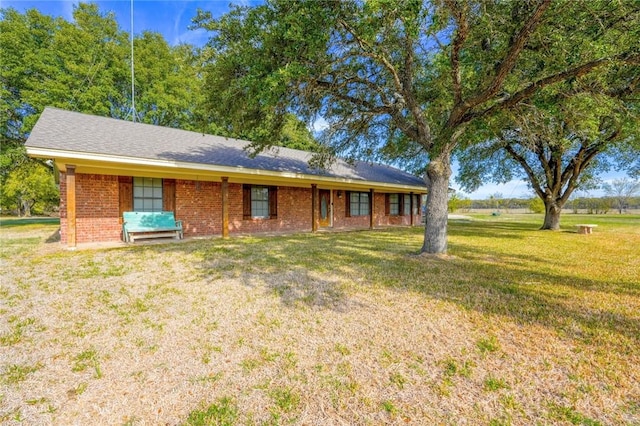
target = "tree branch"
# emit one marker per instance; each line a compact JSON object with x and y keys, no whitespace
{"x":368,"y":51}
{"x":532,"y":88}
{"x":461,"y":109}
{"x":424,"y":131}
{"x":544,"y":162}
{"x":512,"y":55}
{"x":461,"y":35}
{"x":368,"y":106}
{"x":528,"y":170}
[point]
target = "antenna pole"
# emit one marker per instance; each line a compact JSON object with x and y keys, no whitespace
{"x":133,"y":87}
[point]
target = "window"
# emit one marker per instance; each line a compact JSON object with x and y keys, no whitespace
{"x":394,"y":204}
{"x":259,"y":202}
{"x":397,"y":205}
{"x":358,"y":204}
{"x":147,"y":194}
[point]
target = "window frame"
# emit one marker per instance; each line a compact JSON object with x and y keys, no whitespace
{"x":259,"y":202}
{"x":363,"y":202}
{"x":406,"y":204}
{"x":403,"y":204}
{"x":157,"y":202}
{"x":394,"y":204}
{"x":248,"y":203}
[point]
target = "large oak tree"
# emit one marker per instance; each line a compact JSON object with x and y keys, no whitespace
{"x":407,"y":80}
{"x":558,"y":145}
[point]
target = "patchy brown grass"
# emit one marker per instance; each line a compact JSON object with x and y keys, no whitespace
{"x":517,"y":326}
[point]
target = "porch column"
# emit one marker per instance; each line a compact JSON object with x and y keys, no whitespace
{"x":71,"y":206}
{"x":314,"y":207}
{"x":371,"y":206}
{"x":225,"y":207}
{"x":411,"y":206}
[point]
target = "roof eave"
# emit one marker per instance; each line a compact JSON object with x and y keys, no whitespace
{"x":112,"y":164}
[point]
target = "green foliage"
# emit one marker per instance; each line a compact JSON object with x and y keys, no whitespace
{"x":536,"y":205}
{"x":84,"y":66}
{"x":86,"y":359}
{"x":29,"y":187}
{"x":488,"y":345}
{"x":493,"y":384}
{"x":569,"y":414}
{"x":456,"y":202}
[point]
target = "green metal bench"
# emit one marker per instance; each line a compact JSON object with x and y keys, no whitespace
{"x":139,"y":225}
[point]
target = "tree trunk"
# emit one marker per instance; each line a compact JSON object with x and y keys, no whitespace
{"x":20,"y":207}
{"x":552,"y":210}
{"x":435,"y":230}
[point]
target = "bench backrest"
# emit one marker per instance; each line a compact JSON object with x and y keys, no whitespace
{"x":149,"y":219}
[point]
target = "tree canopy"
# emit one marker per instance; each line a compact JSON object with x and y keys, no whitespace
{"x":557,"y":145}
{"x":407,"y":80}
{"x":85,"y":66}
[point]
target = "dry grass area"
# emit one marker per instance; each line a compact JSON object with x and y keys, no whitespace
{"x":518,"y":326}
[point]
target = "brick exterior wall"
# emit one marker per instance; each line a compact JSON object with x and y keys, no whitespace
{"x":294,"y":212}
{"x":97,"y":216}
{"x":340,"y":221}
{"x":199,"y":206}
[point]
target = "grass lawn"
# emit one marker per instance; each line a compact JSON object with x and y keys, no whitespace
{"x":517,"y":326}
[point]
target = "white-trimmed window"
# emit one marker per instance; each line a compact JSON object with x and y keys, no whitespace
{"x":407,"y":204}
{"x":147,"y":194}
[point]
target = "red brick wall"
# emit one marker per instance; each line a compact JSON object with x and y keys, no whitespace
{"x":388,"y":220}
{"x":294,"y":212}
{"x":379,"y":218}
{"x":199,"y":206}
{"x":339,"y":209}
{"x":96,"y":208}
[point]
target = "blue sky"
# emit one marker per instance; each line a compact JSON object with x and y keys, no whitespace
{"x":172,"y":20}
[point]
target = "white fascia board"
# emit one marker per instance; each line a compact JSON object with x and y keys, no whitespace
{"x":218,"y":169}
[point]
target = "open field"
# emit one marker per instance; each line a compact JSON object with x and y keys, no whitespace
{"x":517,"y":326}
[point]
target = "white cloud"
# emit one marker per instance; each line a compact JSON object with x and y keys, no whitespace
{"x":319,"y":125}
{"x":195,"y":37}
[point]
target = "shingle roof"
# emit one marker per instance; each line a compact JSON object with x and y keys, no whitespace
{"x":62,"y":130}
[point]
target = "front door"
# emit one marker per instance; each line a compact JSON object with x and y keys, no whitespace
{"x":325,"y":207}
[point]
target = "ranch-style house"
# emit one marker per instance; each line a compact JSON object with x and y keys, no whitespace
{"x":211,"y":184}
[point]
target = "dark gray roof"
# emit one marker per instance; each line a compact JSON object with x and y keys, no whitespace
{"x":75,"y":132}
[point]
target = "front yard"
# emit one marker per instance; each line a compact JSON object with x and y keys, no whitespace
{"x":517,"y":326}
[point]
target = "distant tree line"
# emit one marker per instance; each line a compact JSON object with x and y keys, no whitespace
{"x":586,"y":204}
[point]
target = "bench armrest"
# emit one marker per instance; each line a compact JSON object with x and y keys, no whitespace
{"x":180,"y":232}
